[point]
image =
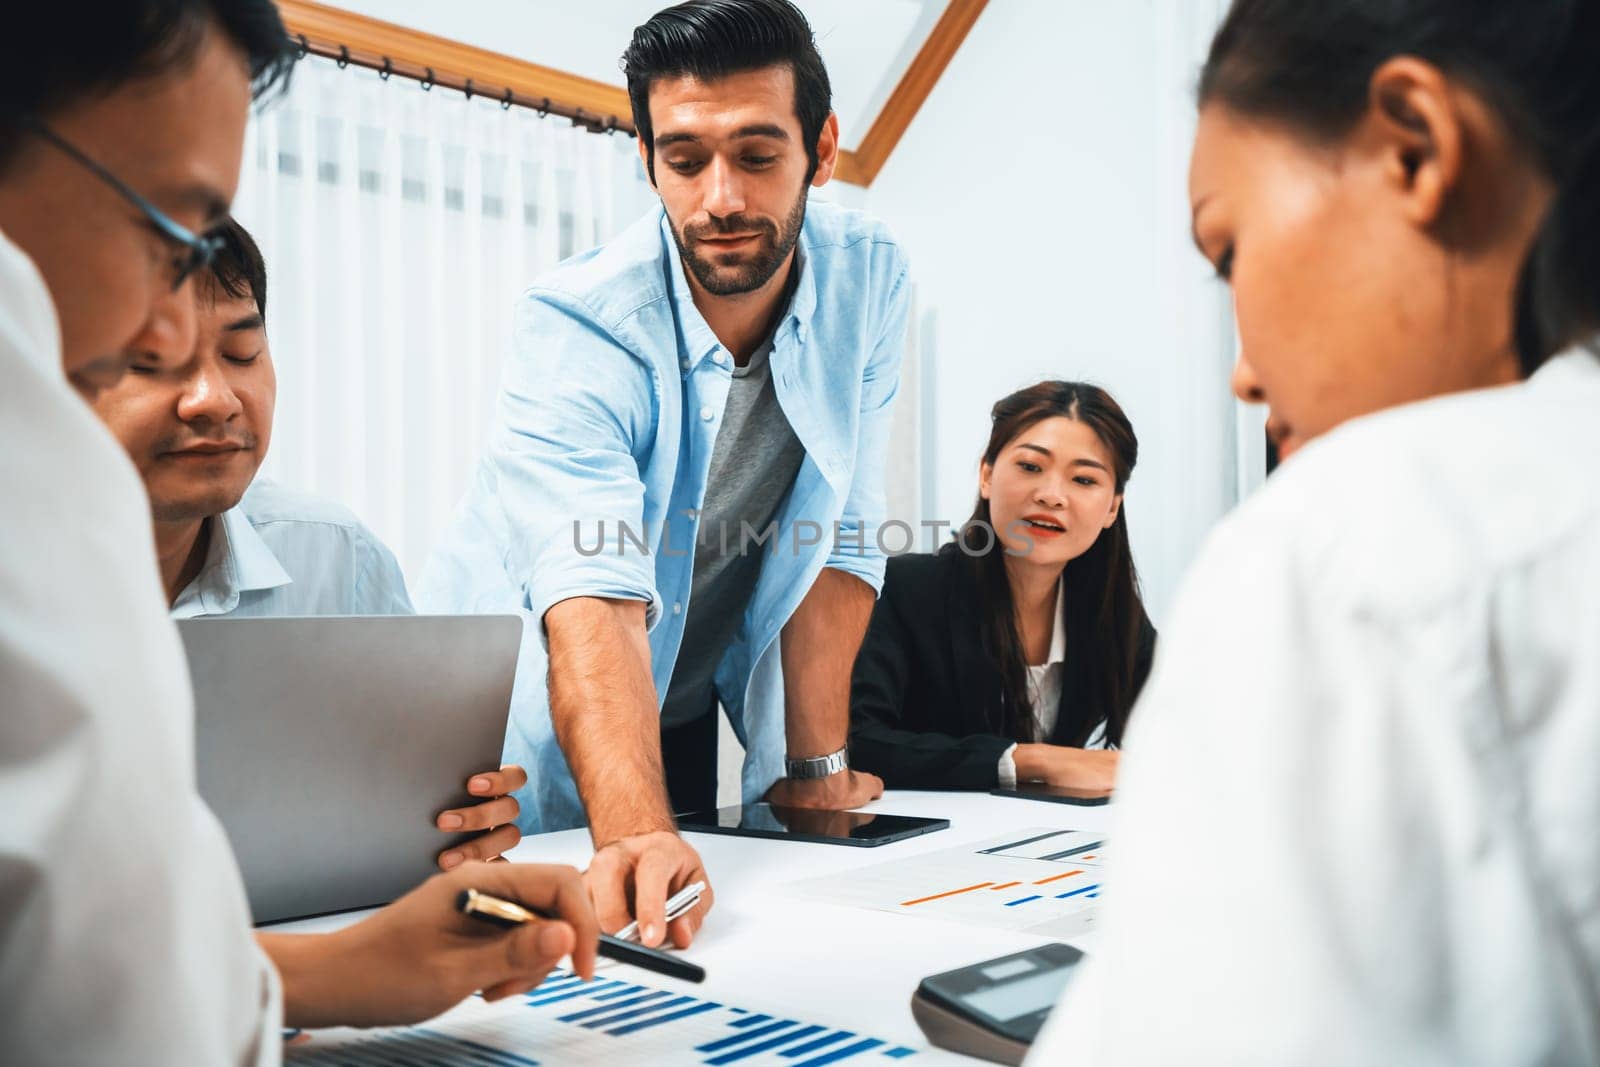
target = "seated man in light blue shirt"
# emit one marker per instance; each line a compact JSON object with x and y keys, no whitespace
{"x":232,"y":544}
{"x":229,"y":543}
{"x":687,"y":463}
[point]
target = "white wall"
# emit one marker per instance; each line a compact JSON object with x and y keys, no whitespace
{"x":1040,"y":194}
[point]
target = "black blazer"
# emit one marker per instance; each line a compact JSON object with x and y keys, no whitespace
{"x":922,"y":680}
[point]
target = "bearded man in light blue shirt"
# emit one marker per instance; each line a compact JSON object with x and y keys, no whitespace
{"x":232,"y":544}
{"x":683,"y":487}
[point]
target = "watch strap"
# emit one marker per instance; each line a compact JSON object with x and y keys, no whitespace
{"x":817,"y":766}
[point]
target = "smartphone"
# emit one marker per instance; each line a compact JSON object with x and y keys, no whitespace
{"x":1054,"y":794}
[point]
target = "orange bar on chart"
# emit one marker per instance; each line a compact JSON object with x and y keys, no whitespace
{"x":1056,"y":877}
{"x":1005,"y":885}
{"x":941,"y":896}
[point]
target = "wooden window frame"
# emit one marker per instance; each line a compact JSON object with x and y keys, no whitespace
{"x":373,"y":43}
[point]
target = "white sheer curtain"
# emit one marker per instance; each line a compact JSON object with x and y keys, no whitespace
{"x":399,"y":226}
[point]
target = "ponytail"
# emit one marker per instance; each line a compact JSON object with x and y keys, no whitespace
{"x":1558,"y":294}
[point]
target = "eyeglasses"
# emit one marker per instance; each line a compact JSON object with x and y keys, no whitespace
{"x":196,"y":251}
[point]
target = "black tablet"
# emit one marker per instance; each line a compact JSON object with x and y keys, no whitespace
{"x":1052,"y":793}
{"x":858,"y":828}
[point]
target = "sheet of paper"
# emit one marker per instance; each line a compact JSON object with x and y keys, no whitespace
{"x":608,"y":1020}
{"x":1040,"y":881}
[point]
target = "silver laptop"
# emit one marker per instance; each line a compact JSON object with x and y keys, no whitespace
{"x":327,"y":746}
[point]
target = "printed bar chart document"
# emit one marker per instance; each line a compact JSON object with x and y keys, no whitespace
{"x":607,"y":1020}
{"x":1042,"y":882}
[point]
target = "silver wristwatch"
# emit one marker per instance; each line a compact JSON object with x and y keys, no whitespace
{"x":816,"y":766}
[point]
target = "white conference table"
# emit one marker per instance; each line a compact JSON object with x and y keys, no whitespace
{"x":774,"y":952}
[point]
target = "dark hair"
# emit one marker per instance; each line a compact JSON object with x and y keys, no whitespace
{"x":238,"y":269}
{"x":1310,"y":64}
{"x":59,"y":53}
{"x":710,"y":39}
{"x":1102,"y":612}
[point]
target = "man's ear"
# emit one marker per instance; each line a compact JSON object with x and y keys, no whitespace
{"x":1116,"y":509}
{"x":1414,"y":121}
{"x":644,"y":157}
{"x":827,"y":151}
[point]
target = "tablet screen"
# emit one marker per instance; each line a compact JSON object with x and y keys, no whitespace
{"x":807,"y":824}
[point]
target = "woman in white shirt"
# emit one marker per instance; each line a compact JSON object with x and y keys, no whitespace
{"x":1359,"y":809}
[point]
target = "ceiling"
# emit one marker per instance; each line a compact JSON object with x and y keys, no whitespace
{"x":867,"y":44}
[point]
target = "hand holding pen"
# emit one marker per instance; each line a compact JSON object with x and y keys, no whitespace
{"x":509,"y":914}
{"x":421,"y":955}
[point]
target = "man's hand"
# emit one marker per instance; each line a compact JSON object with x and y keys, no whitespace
{"x":497,"y":816}
{"x":1091,"y":771}
{"x":420,"y":955}
{"x":847,"y":789}
{"x":632,"y":877}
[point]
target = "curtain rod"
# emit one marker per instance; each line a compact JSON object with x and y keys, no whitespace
{"x":387,"y":67}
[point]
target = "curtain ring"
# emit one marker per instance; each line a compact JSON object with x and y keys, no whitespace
{"x":505,"y":101}
{"x":468,"y":89}
{"x":304,"y":49}
{"x":427,"y":82}
{"x":388,"y":68}
{"x":544,"y":108}
{"x":611,"y":125}
{"x":344,"y":57}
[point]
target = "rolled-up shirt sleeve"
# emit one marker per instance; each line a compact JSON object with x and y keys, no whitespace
{"x":856,"y":549}
{"x":576,"y":408}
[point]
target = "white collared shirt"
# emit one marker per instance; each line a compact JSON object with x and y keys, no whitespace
{"x":124,"y":934}
{"x":1044,"y":692}
{"x":281,"y":552}
{"x":1358,"y":814}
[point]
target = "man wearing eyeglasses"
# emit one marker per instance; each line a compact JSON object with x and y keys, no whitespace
{"x":124,"y":935}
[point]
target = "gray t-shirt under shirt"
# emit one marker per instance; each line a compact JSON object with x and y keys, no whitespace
{"x":753,"y":466}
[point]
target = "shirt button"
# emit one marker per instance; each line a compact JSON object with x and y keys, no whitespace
{"x":720,"y":358}
{"x":706,"y":414}
{"x":693,"y":514}
{"x":677,"y":607}
{"x":683,"y":363}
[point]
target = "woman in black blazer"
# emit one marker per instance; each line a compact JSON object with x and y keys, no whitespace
{"x":1016,"y":652}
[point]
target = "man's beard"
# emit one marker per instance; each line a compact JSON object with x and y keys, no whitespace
{"x":746,"y":277}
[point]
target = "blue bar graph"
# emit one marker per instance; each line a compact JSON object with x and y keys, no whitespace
{"x":743,"y":1036}
{"x":622,"y":1017}
{"x":535,"y":1001}
{"x":863,"y":1045}
{"x":620,"y":992}
{"x":821,"y":1042}
{"x":608,"y":1009}
{"x":764,"y":1046}
{"x":1075,"y":892}
{"x":1023,"y":900}
{"x":631,"y":1028}
{"x":607,"y":1020}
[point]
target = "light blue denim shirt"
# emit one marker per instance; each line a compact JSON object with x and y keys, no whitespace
{"x":608,"y":411}
{"x":280,"y":552}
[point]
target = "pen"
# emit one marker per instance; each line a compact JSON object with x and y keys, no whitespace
{"x":506,"y":913}
{"x":680,"y":902}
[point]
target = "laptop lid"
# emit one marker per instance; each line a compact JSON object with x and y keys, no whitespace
{"x":327,"y":746}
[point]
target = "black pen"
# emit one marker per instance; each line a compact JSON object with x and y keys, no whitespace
{"x":506,"y":913}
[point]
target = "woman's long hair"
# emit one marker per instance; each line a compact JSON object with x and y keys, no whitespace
{"x":1102,"y":609}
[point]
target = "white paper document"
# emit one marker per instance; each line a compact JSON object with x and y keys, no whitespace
{"x":608,"y":1020}
{"x":1041,"y":881}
